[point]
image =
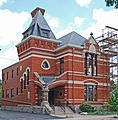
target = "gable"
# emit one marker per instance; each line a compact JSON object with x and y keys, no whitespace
{"x":92,"y":49}
{"x":92,"y":40}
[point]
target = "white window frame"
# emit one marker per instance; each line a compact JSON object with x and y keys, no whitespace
{"x":47,"y":63}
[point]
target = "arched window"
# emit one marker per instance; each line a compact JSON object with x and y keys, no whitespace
{"x":27,"y":76}
{"x":45,"y":65}
{"x":24,"y":81}
{"x":21,"y":85}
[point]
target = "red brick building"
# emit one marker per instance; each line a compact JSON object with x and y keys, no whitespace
{"x":68,"y":70}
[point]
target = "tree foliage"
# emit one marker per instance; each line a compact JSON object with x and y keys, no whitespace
{"x":114,"y":100}
{"x":112,"y":3}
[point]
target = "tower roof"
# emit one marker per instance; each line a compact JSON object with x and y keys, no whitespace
{"x":39,"y":27}
{"x":72,"y":38}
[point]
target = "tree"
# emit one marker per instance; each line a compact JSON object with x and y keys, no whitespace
{"x":114,"y":100}
{"x":112,"y":3}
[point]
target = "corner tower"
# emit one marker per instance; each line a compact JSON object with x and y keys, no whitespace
{"x":36,"y":51}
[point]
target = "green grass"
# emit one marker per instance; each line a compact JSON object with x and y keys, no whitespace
{"x":103,"y":113}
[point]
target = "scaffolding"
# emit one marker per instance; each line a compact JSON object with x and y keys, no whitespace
{"x":108,"y":42}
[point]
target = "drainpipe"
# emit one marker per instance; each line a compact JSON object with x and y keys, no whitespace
{"x":73,"y":74}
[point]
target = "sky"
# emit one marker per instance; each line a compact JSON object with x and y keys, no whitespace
{"x":63,"y":16}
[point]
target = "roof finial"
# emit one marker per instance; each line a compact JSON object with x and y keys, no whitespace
{"x":91,"y":34}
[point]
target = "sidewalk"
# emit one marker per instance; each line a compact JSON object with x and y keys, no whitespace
{"x":86,"y":117}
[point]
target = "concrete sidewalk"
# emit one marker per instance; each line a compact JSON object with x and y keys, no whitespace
{"x":86,"y":117}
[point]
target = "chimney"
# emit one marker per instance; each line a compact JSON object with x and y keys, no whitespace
{"x":35,"y":11}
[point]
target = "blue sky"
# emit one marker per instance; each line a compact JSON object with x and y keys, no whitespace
{"x":63,"y":16}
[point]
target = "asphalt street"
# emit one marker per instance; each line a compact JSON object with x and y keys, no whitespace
{"x":10,"y":115}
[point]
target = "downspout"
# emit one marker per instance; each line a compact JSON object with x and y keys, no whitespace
{"x":73,"y":74}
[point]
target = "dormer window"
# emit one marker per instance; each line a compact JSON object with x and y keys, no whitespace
{"x":45,"y":33}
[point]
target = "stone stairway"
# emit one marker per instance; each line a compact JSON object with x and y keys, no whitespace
{"x":62,"y":110}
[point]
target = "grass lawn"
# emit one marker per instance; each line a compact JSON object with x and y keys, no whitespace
{"x":103,"y":113}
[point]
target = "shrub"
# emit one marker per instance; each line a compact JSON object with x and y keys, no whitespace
{"x":85,"y":107}
{"x":113,"y":107}
{"x":114,"y":100}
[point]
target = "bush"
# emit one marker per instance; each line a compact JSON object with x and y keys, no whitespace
{"x":113,"y":107}
{"x":114,"y":100}
{"x":85,"y":107}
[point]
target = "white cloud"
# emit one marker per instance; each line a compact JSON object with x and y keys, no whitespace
{"x":2,"y":1}
{"x":83,"y":2}
{"x":53,"y":22}
{"x":8,"y":58}
{"x":11,"y":28}
{"x":64,"y":32}
{"x":102,"y":18}
{"x":78,"y":21}
{"x":72,"y":26}
{"x":11,"y":24}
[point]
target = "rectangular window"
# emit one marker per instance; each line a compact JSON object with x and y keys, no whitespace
{"x":95,"y":65}
{"x":16,"y":91}
{"x":91,"y":64}
{"x":45,"y":33}
{"x":7,"y":93}
{"x":17,"y":71}
{"x":3,"y":76}
{"x":61,"y":65}
{"x":21,"y":85}
{"x":7,"y":75}
{"x":24,"y":81}
{"x":12,"y":74}
{"x":2,"y":93}
{"x":27,"y":76}
{"x":95,"y":92}
{"x":12,"y":93}
{"x":85,"y":64}
{"x":85,"y":92}
{"x":90,"y":92}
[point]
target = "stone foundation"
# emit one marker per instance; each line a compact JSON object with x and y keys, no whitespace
{"x":25,"y":108}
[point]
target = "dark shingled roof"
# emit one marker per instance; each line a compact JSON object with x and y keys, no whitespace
{"x":72,"y":38}
{"x":38,"y":26}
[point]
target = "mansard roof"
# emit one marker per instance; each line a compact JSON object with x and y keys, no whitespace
{"x":72,"y":38}
{"x":39,"y":27}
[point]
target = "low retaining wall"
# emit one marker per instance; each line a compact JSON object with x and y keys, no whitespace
{"x":25,"y":108}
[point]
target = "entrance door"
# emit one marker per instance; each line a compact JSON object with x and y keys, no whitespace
{"x":51,"y":97}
